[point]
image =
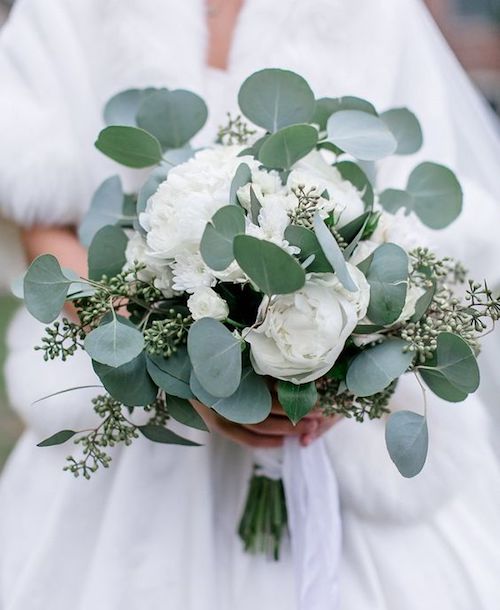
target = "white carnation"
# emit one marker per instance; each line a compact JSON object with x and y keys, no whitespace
{"x":155,"y":270}
{"x":206,"y":303}
{"x":191,"y":273}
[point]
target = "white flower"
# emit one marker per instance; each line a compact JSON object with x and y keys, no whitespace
{"x":191,"y":273}
{"x":135,"y":253}
{"x":206,"y":303}
{"x":303,"y":333}
{"x":155,"y":270}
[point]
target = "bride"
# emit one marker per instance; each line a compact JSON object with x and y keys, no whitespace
{"x":157,"y":530}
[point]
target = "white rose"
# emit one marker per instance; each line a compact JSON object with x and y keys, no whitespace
{"x":303,"y":333}
{"x":206,"y":303}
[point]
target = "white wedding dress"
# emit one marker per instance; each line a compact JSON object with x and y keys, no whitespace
{"x":157,"y":530}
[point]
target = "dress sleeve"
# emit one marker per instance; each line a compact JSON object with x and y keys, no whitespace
{"x":45,"y":176}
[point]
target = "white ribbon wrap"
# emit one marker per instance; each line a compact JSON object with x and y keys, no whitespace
{"x":313,"y":518}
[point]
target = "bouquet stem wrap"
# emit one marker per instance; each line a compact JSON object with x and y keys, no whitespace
{"x":313,"y":513}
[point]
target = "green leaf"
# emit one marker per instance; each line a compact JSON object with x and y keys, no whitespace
{"x":174,"y":117}
{"x":433,"y":193}
{"x":326,"y":106}
{"x":129,"y":383}
{"x":255,"y":206}
{"x":361,"y":134}
{"x":106,"y":255}
{"x":306,"y":240}
{"x":353,"y":232}
{"x":405,"y":128}
{"x":407,"y":441}
{"x":268,"y":266}
{"x":453,"y":371}
{"x":160,"y":434}
{"x":423,"y":303}
{"x":215,"y":355}
{"x":129,"y":146}
{"x":122,"y":108}
{"x":57,"y":439}
{"x":274,"y":98}
{"x":250,"y":404}
{"x":106,"y":208}
{"x":184,"y":412}
{"x":285,"y":147}
{"x":333,"y":253}
{"x":388,"y":279}
{"x":297,"y":400}
{"x":216,"y":245}
{"x":171,"y":374}
{"x":149,"y":188}
{"x":45,"y":288}
{"x":355,"y":175}
{"x":114,"y":343}
{"x":242,"y":176}
{"x":375,"y":368}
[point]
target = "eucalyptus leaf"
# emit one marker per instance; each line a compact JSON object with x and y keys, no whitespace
{"x":375,"y":368}
{"x":355,"y":175}
{"x":306,"y":240}
{"x":274,"y":98}
{"x":171,"y":374}
{"x":297,"y":400}
{"x":184,"y":412}
{"x":45,"y":288}
{"x":215,"y":355}
{"x":129,"y":146}
{"x":285,"y":147}
{"x":122,"y":108}
{"x":326,"y":106}
{"x":407,"y":441}
{"x":333,"y":253}
{"x":242,"y":177}
{"x":361,"y":134}
{"x":106,"y":255}
{"x":255,"y":206}
{"x":160,"y":434}
{"x":106,"y":208}
{"x":269,"y":267}
{"x":174,"y":117}
{"x":149,"y":188}
{"x":216,"y":245}
{"x":58,"y":438}
{"x":114,"y":343}
{"x":405,"y":128}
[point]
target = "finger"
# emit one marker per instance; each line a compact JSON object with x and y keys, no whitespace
{"x":324,"y":426}
{"x":277,"y":425}
{"x":247,"y":438}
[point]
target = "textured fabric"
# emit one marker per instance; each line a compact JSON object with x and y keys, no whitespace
{"x":157,"y":530}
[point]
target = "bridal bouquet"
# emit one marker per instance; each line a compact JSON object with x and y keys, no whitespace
{"x":265,"y":262}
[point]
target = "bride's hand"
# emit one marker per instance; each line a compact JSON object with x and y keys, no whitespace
{"x":272,"y":431}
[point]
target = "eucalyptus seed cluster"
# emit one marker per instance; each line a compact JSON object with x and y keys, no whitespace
{"x":335,"y":399}
{"x":164,"y":336}
{"x":61,"y":340}
{"x":236,"y":131}
{"x":482,"y":305}
{"x":307,"y":205}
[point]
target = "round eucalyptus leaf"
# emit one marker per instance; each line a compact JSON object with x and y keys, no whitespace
{"x":453,"y":371}
{"x":388,"y":279}
{"x":149,"y":188}
{"x":326,"y":106}
{"x":58,"y":438}
{"x":45,"y":288}
{"x":250,"y":404}
{"x":171,"y":374}
{"x":355,"y":175}
{"x":375,"y":368}
{"x":285,"y":147}
{"x":215,"y":355}
{"x":274,"y":98}
{"x":115,"y":342}
{"x":129,"y":383}
{"x":129,"y":146}
{"x":174,"y":117}
{"x":106,"y":208}
{"x":393,"y":200}
{"x":122,"y":107}
{"x":242,"y":177}
{"x":268,"y":266}
{"x":184,"y":412}
{"x":160,"y":434}
{"x":106,"y":255}
{"x":361,"y":134}
{"x":405,"y":128}
{"x":297,"y":400}
{"x":306,"y":240}
{"x":216,"y":245}
{"x":407,"y":440}
{"x":333,"y":253}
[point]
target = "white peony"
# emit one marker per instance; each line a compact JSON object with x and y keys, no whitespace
{"x":155,"y":270}
{"x":206,"y":303}
{"x":303,"y":333}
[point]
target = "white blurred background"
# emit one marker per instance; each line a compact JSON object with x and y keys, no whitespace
{"x":472,"y":28}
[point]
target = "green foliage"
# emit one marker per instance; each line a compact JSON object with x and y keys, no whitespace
{"x":355,"y":175}
{"x":405,"y":128}
{"x":58,"y":438}
{"x":407,"y":441}
{"x":268,"y":266}
{"x":216,"y":245}
{"x":215,"y":355}
{"x":182,"y":411}
{"x":172,"y":374}
{"x":61,"y":340}
{"x":160,"y":434}
{"x":114,"y":343}
{"x":326,"y":106}
{"x":285,"y":147}
{"x":306,"y":240}
{"x":149,"y":188}
{"x":242,"y":177}
{"x":297,"y":400}
{"x":106,"y":208}
{"x":122,"y":108}
{"x":129,"y":146}
{"x":106,"y":255}
{"x":164,"y":336}
{"x":274,"y":99}
{"x":375,"y":368}
{"x":236,"y":131}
